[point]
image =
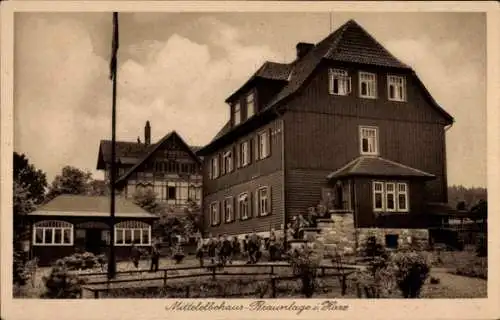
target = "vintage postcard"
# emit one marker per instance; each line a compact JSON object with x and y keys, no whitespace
{"x":249,"y":159}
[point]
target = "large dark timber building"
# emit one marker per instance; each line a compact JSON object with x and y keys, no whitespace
{"x":346,"y":120}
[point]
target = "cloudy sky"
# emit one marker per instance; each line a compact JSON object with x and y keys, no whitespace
{"x":176,"y":69}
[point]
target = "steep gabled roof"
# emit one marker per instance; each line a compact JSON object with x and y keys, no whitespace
{"x":349,"y":43}
{"x":127,"y":152}
{"x":153,"y":149}
{"x":270,"y":71}
{"x":378,"y":167}
{"x":90,"y":206}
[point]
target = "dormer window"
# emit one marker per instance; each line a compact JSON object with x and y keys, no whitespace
{"x":368,"y":140}
{"x":250,"y":105}
{"x":367,"y":85}
{"x":237,"y":113}
{"x":339,"y":82}
{"x":396,"y":87}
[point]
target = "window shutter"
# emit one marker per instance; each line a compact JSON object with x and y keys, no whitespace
{"x":256,"y":203}
{"x":269,"y":200}
{"x":256,"y":149}
{"x":270,"y":140}
{"x":250,"y":205}
{"x":237,"y":155}
{"x":220,"y":204}
{"x":330,"y":81}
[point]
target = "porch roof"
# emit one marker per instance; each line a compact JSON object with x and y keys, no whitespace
{"x":378,"y":167}
{"x":90,"y":206}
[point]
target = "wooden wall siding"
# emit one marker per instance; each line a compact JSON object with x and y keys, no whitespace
{"x":328,"y":142}
{"x":303,"y":189}
{"x":259,"y":224}
{"x":254,"y":170}
{"x":365,"y":217}
{"x":315,"y":97}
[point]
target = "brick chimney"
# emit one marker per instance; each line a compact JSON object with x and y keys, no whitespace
{"x":147,"y":133}
{"x":303,"y":48}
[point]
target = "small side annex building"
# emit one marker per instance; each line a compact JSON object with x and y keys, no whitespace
{"x":71,"y":223}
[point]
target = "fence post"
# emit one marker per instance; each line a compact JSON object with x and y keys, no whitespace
{"x":273,"y":287}
{"x":272,"y":270}
{"x":343,"y":285}
{"x":165,"y":277}
{"x":96,"y":294}
{"x":213,"y":273}
{"x":187,"y":291}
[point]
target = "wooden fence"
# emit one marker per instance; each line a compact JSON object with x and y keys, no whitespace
{"x":212,"y":271}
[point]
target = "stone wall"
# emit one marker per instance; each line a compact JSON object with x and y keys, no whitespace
{"x":417,"y":238}
{"x":336,"y":235}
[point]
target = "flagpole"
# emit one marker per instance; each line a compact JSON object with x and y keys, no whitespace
{"x":113,"y":75}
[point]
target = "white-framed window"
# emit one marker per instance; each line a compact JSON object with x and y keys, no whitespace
{"x":263,"y":200}
{"x":53,"y":233}
{"x":367,"y":85}
{"x":402,"y":197}
{"x":390,"y":196}
{"x":227,"y":162}
{"x":214,"y":167}
{"x":244,"y":156}
{"x":237,"y":113}
{"x":243,"y":205}
{"x":396,"y":88}
{"x":214,"y":213}
{"x":250,"y":105}
{"x":132,"y":232}
{"x":263,"y":144}
{"x":378,"y":196}
{"x":228,"y":209}
{"x":339,"y":82}
{"x":368,"y":140}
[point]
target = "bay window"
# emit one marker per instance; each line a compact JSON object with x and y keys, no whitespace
{"x":390,"y":196}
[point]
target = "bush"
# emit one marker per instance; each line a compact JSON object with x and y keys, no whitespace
{"x":411,"y":269}
{"x":83,"y":261}
{"x":305,"y":263}
{"x":62,"y":285}
{"x":475,"y":269}
{"x":20,"y":273}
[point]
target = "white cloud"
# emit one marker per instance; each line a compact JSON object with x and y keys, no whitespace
{"x":63,"y":96}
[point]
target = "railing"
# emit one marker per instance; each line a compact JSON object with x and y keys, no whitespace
{"x":214,"y":271}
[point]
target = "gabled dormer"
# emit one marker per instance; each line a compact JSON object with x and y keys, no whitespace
{"x":251,"y":98}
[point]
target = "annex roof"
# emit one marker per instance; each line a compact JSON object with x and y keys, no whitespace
{"x":90,"y":206}
{"x":379,"y":167}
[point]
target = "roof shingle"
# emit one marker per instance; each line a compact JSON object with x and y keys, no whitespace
{"x":378,"y":166}
{"x":79,"y":205}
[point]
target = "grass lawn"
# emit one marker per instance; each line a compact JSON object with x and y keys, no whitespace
{"x":450,"y":286}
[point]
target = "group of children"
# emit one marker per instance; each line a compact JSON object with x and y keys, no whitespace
{"x":222,"y":249}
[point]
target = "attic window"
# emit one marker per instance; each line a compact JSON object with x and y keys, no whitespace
{"x":396,"y":87}
{"x":339,"y":82}
{"x":250,"y":105}
{"x":367,"y":85}
{"x":237,"y":113}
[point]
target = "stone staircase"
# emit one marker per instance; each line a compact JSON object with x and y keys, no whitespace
{"x":335,"y":234}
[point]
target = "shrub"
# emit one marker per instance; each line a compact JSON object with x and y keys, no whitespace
{"x":410,"y":271}
{"x":20,"y":273}
{"x":83,"y":261}
{"x":305,"y":263}
{"x":62,"y":285}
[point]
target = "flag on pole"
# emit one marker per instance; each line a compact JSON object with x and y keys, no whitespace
{"x":114,"y":47}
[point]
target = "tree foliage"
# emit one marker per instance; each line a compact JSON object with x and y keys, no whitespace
{"x":465,"y":198}
{"x":33,"y":181}
{"x":71,"y":181}
{"x":28,"y":190}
